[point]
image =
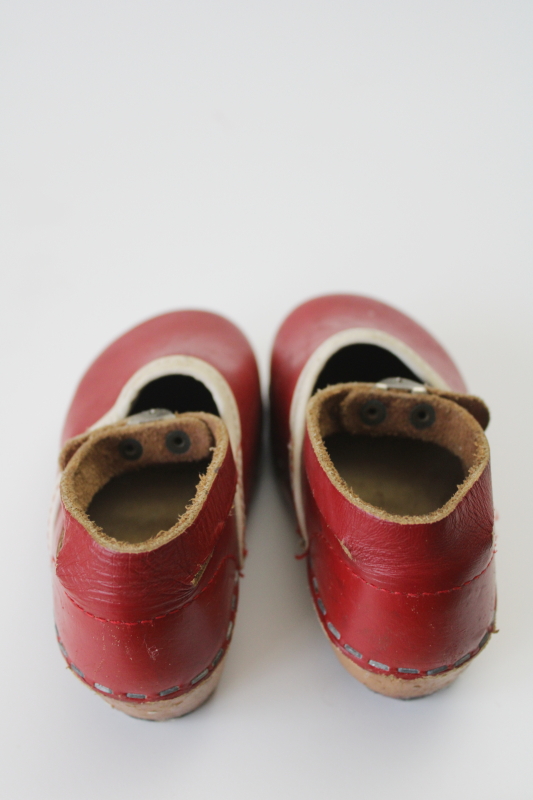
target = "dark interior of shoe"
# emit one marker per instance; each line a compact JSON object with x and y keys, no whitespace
{"x":396,"y":474}
{"x":137,"y":505}
{"x":365,"y":363}
{"x":178,"y":393}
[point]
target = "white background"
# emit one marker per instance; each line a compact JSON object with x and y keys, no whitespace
{"x":242,"y":157}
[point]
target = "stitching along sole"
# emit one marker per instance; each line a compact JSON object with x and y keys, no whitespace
{"x":392,"y":685}
{"x":160,"y":710}
{"x":399,"y":688}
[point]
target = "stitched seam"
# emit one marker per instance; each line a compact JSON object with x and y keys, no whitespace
{"x":446,"y":668}
{"x":409,"y":594}
{"x":334,"y":637}
{"x":160,"y":616}
{"x":175,"y":691}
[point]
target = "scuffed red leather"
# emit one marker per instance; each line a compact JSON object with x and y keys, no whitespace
{"x":408,"y":557}
{"x":407,"y":596}
{"x":146,"y":626}
{"x":404,"y":600}
{"x":152,"y":655}
{"x":200,"y":334}
{"x":401,"y":630}
{"x":140,"y":622}
{"x":131,"y":586}
{"x":309,"y":325}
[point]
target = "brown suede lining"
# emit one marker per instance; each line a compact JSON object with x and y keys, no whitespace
{"x":337,"y":409}
{"x":137,"y":505}
{"x":91,"y":461}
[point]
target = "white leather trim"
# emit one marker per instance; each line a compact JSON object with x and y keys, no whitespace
{"x":308,"y":378}
{"x":55,"y":505}
{"x":223,"y":397}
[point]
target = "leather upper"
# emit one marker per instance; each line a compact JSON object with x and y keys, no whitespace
{"x":148,"y":622}
{"x":405,"y":596}
{"x":199,"y":334}
{"x":317,"y":320}
{"x":128,"y":586}
{"x":408,"y":556}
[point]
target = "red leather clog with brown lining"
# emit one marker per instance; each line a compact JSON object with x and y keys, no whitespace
{"x":388,"y":467}
{"x":147,"y":532}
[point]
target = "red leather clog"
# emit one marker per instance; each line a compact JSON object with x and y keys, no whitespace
{"x":147,"y":534}
{"x":388,"y":468}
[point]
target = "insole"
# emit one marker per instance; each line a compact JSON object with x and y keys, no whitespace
{"x":401,"y":476}
{"x":137,"y":505}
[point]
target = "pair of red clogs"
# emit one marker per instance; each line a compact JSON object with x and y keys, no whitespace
{"x":388,"y":469}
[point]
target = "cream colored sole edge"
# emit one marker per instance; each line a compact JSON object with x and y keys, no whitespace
{"x":160,"y":710}
{"x":399,"y":688}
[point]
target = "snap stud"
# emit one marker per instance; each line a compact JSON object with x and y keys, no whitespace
{"x":177,"y":442}
{"x":130,"y":449}
{"x":373,"y":412}
{"x":422,"y":416}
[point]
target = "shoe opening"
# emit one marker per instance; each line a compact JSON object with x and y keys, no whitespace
{"x":135,"y":506}
{"x":135,"y":486}
{"x":177,"y":393}
{"x":365,"y":363}
{"x":403,"y":454}
{"x":409,"y":477}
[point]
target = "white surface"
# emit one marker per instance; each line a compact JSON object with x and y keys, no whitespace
{"x":242,"y":157}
